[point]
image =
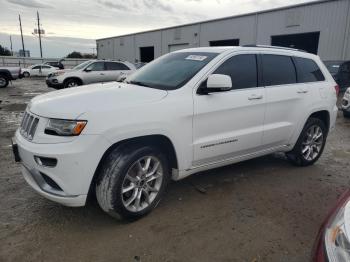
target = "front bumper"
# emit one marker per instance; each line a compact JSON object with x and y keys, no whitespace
{"x":68,"y":182}
{"x":53,"y":82}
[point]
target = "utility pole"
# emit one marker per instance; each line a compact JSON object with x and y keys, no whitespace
{"x":11,"y":45}
{"x":20,"y":26}
{"x":39,"y":32}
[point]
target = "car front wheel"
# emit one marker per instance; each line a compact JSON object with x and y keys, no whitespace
{"x":310,"y":144}
{"x":132,"y":181}
{"x":3,"y":81}
{"x":71,"y":83}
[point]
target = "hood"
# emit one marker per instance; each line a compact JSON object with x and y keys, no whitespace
{"x":71,"y":103}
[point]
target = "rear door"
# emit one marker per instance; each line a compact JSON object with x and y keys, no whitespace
{"x":230,"y":124}
{"x":114,"y":70}
{"x":35,"y":71}
{"x":286,"y":99}
{"x":46,"y":69}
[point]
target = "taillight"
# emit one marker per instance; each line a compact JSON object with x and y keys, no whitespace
{"x":337,"y":89}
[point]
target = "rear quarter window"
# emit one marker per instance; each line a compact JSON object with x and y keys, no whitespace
{"x":308,"y":70}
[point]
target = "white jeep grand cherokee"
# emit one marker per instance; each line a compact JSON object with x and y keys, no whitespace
{"x":185,"y":112}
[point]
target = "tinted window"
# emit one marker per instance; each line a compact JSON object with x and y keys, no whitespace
{"x":116,"y":66}
{"x":278,"y":70}
{"x":241,"y":69}
{"x":97,"y":66}
{"x":46,"y":67}
{"x":308,"y":70}
{"x":36,"y":67}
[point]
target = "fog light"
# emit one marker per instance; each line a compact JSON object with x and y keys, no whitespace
{"x":45,"y":161}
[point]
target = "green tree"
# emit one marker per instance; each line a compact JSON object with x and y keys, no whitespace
{"x":4,"y":51}
{"x":75,"y":54}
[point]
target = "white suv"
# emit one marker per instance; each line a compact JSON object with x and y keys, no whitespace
{"x":185,"y":112}
{"x":88,"y":72}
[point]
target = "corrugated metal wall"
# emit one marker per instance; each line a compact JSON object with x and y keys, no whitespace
{"x":330,"y":18}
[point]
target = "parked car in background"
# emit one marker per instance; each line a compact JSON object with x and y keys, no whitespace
{"x":340,"y":71}
{"x":333,"y":240}
{"x":186,"y":112}
{"x":345,"y":104}
{"x":8,"y":74}
{"x":57,"y":64}
{"x":38,"y":70}
{"x":92,"y":71}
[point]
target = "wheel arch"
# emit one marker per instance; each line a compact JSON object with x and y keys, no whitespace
{"x":322,"y":115}
{"x":158,"y":140}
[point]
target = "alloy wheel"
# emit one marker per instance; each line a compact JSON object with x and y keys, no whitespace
{"x":142,"y":183}
{"x":312,"y":144}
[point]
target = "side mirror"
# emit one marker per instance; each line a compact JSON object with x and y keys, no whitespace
{"x":87,"y":70}
{"x":216,"y":83}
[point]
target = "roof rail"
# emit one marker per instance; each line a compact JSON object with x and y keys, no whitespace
{"x":276,"y":47}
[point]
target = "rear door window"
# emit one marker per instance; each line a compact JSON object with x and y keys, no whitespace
{"x":242,"y":69}
{"x":278,"y":70}
{"x":308,"y":70}
{"x":116,"y":66}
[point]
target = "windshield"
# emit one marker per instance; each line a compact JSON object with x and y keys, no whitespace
{"x":82,"y":65}
{"x":171,"y":71}
{"x":333,"y":66}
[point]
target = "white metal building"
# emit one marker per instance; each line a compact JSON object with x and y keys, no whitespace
{"x":320,"y":27}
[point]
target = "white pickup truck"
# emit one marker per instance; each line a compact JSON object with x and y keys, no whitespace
{"x":185,"y":112}
{"x":8,"y":74}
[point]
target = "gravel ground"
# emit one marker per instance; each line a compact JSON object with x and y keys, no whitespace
{"x":259,"y":210}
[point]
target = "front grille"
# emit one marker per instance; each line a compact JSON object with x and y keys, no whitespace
{"x":29,"y":125}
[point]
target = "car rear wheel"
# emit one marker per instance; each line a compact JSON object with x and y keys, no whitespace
{"x":310,"y":144}
{"x":71,"y":83}
{"x":3,"y":81}
{"x":26,"y":74}
{"x":132,"y":181}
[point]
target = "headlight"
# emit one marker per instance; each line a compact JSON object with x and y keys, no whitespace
{"x":57,"y":73}
{"x":59,"y":127}
{"x":337,"y":239}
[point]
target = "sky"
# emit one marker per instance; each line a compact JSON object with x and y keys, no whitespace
{"x":74,"y":25}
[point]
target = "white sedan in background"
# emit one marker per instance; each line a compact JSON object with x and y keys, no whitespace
{"x":38,"y":70}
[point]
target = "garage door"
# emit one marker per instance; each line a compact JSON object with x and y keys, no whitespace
{"x":176,"y":47}
{"x":304,"y":41}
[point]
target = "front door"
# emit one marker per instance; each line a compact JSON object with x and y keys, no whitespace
{"x":230,"y":124}
{"x":94,"y":73}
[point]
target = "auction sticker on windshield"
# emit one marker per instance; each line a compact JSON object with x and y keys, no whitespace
{"x":196,"y":57}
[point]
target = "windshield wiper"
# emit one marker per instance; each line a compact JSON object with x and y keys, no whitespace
{"x":138,"y":83}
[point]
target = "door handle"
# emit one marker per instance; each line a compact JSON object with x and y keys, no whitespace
{"x":102,"y":74}
{"x":255,"y":97}
{"x":302,"y":91}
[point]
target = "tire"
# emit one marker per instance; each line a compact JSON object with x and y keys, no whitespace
{"x":26,"y":74}
{"x":306,"y":140}
{"x":3,"y":81}
{"x":71,"y":83}
{"x":118,"y":173}
{"x":346,"y":114}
